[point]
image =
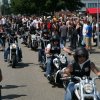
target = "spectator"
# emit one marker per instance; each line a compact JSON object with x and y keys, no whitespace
{"x":88,"y":36}
{"x":84,"y":31}
{"x":63,"y":32}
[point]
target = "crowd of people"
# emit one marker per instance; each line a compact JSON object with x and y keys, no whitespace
{"x":79,"y":31}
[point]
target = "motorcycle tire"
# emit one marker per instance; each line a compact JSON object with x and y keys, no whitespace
{"x":35,"y":45}
{"x":13,"y":61}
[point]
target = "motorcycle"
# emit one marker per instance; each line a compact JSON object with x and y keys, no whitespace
{"x":59,"y":62}
{"x":86,"y":88}
{"x":34,"y":42}
{"x":13,"y":56}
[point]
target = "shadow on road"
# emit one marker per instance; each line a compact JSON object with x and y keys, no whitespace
{"x":56,"y":85}
{"x":12,"y":96}
{"x":12,"y":86}
{"x":94,"y":51}
{"x":22,"y":65}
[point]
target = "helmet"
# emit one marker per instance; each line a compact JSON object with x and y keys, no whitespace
{"x":55,"y":38}
{"x":81,"y":51}
{"x":45,"y":31}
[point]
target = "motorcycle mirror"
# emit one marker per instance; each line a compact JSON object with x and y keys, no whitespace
{"x":99,"y":76}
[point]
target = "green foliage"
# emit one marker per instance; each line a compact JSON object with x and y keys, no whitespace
{"x":41,"y":6}
{"x":74,"y":5}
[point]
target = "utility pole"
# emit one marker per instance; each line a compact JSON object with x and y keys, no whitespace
{"x":98,"y":33}
{"x":0,"y":9}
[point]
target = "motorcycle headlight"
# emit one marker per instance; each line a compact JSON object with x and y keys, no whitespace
{"x":13,"y":45}
{"x":88,"y":88}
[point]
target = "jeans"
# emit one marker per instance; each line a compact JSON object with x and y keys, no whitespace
{"x":48,"y":66}
{"x":69,"y":91}
{"x":63,"y":40}
{"x":1,"y":42}
{"x":7,"y":51}
{"x":40,"y":54}
{"x":73,"y":42}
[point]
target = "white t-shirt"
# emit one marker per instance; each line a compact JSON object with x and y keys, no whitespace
{"x":81,"y":65}
{"x":49,"y":46}
{"x":84,"y":29}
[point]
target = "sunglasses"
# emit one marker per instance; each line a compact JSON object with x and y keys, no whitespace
{"x":55,"y":41}
{"x":80,"y":56}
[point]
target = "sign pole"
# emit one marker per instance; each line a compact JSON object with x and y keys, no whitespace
{"x":98,"y":34}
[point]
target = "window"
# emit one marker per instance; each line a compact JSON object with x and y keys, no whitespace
{"x":93,"y":5}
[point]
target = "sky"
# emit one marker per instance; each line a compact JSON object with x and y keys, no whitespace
{"x":2,"y":0}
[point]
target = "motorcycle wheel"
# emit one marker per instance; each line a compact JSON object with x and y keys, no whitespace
{"x":34,"y":45}
{"x":13,"y":61}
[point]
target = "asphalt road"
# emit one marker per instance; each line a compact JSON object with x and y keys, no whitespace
{"x":27,"y":81}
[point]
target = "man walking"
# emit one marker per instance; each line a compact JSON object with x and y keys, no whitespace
{"x":63,"y":32}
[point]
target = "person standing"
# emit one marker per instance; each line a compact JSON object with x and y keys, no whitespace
{"x":79,"y":33}
{"x":84,"y":32}
{"x":88,"y":36}
{"x":63,"y":32}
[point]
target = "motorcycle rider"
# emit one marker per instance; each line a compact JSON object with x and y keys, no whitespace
{"x":81,"y":66}
{"x":44,"y":36}
{"x":54,"y":47}
{"x":2,"y":37}
{"x":11,"y":39}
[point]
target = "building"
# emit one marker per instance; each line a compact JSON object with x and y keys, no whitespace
{"x":91,"y":6}
{"x":4,"y":5}
{"x":0,"y":6}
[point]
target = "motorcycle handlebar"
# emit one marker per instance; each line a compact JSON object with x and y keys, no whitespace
{"x":79,"y":78}
{"x":95,"y":78}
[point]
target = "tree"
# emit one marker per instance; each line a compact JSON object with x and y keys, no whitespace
{"x":73,"y":5}
{"x":23,"y":6}
{"x":41,"y":6}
